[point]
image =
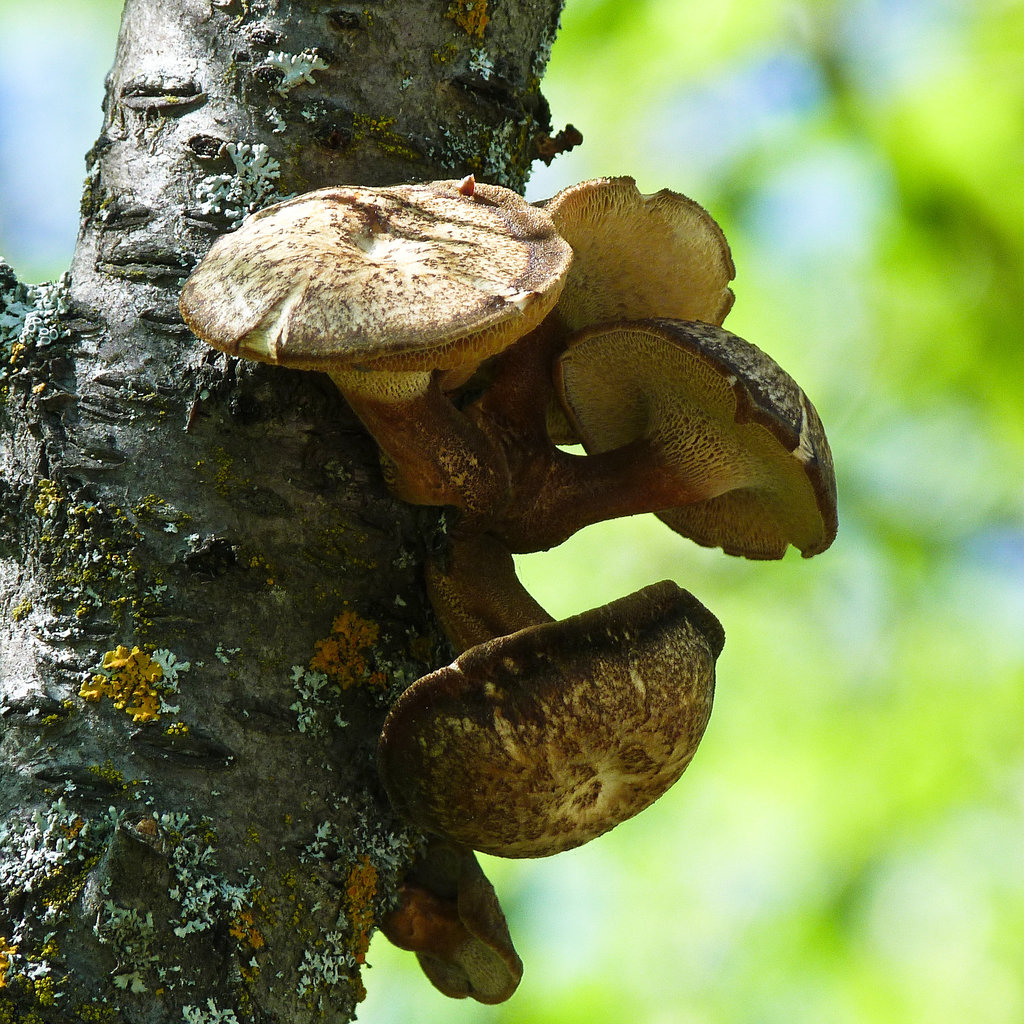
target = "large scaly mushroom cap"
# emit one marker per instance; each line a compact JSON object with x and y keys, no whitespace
{"x":727,"y":434}
{"x":411,"y":277}
{"x":398,"y":293}
{"x":539,"y":741}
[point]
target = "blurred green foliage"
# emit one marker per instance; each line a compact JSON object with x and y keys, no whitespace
{"x":848,"y":845}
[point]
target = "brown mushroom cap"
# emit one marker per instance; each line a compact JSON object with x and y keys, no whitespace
{"x":411,"y":277}
{"x":539,"y":741}
{"x":398,"y":293}
{"x":728,"y":424}
{"x":638,"y":256}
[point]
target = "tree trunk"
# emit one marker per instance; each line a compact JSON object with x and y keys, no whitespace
{"x":207,"y":598}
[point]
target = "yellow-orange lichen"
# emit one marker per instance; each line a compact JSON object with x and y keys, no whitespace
{"x":245,"y":931}
{"x":342,"y":655}
{"x":127,"y":678}
{"x":6,"y":952}
{"x":469,"y":15}
{"x":360,"y":890}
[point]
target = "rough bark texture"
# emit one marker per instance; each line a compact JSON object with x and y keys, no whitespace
{"x":207,"y":599}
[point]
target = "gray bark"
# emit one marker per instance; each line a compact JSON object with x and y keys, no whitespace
{"x":205,"y":547}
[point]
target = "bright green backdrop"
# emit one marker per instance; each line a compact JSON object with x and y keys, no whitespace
{"x":848,"y":845}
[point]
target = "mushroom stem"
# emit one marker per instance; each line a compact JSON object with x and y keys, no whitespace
{"x":431,"y":454}
{"x":578,"y":490}
{"x":516,"y":402}
{"x":476,"y":593}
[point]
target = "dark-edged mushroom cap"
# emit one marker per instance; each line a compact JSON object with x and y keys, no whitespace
{"x":398,"y":293}
{"x":539,"y":741}
{"x":732,"y":438}
{"x":449,"y":916}
{"x":410,"y":277}
{"x":639,"y":256}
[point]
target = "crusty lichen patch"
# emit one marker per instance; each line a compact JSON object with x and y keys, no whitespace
{"x":342,"y":655}
{"x":470,"y":15}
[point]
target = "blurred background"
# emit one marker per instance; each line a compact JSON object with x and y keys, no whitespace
{"x":848,"y":844}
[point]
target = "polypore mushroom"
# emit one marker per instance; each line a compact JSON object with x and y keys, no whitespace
{"x":636,"y":255}
{"x":449,"y":916}
{"x":540,"y":740}
{"x":717,"y":438}
{"x":398,"y":294}
{"x":680,"y":418}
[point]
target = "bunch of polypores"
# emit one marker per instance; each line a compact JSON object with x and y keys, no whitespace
{"x":477,"y":337}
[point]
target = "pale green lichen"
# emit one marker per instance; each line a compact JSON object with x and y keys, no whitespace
{"x":495,"y":153}
{"x":29,"y":314}
{"x":46,"y":857}
{"x":35,"y":846}
{"x":480,"y":63}
{"x":295,"y":68}
{"x":252,"y":186}
{"x":204,"y":896}
{"x":210,"y":1015}
{"x":131,"y":935}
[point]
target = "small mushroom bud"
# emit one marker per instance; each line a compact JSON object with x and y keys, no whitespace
{"x":449,"y":916}
{"x":539,"y":741}
{"x":398,"y":293}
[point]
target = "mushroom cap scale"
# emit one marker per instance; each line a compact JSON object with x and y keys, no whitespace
{"x":636,"y":255}
{"x":738,"y":432}
{"x":536,"y":742}
{"x":411,"y":277}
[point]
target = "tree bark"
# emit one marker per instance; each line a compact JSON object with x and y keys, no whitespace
{"x":207,"y":598}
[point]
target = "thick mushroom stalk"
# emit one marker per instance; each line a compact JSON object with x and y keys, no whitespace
{"x":683,"y":419}
{"x":449,"y":916}
{"x":541,"y":740}
{"x":399,"y":294}
{"x":476,"y":593}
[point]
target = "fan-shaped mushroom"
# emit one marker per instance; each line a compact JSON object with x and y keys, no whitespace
{"x":540,"y":740}
{"x":733,"y":450}
{"x":398,"y":293}
{"x":638,"y":256}
{"x":680,"y":418}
